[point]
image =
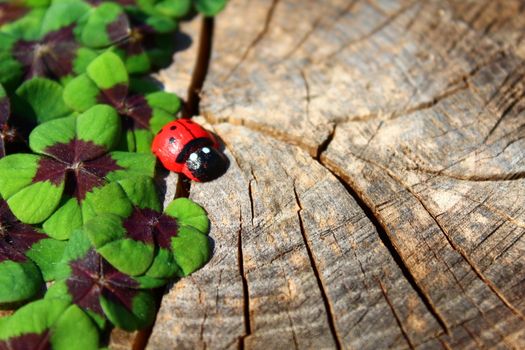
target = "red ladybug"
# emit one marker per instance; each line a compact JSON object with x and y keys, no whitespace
{"x":183,"y":146}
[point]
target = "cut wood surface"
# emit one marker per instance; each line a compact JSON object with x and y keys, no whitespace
{"x":375,"y":195}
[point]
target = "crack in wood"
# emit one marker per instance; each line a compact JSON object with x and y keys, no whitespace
{"x":266,"y":130}
{"x":423,"y":295}
{"x":324,"y":145}
{"x":509,"y":246}
{"x":495,"y":211}
{"x":255,"y":41}
{"x":465,"y":293}
{"x":474,"y":178}
{"x":383,"y":234}
{"x":404,"y":111}
{"x":290,"y":322}
{"x":503,"y":115}
{"x":480,"y":243}
{"x":324,"y":296}
{"x":201,"y":335}
{"x":396,"y":316}
{"x":371,"y":33}
{"x":316,"y":25}
{"x":451,"y":242}
{"x":245,"y":290}
{"x":380,"y":228}
{"x":250,"y":194}
{"x":317,"y":154}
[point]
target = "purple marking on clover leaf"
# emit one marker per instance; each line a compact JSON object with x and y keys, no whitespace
{"x":93,"y":277}
{"x":82,"y":164}
{"x":139,"y":39}
{"x":37,"y":341}
{"x":114,"y":96}
{"x":149,"y":226}
{"x":10,"y":12}
{"x":4,"y":109}
{"x":51,"y":57}
{"x":49,"y":324}
{"x":16,"y":238}
{"x":134,"y":107}
{"x":179,"y":234}
{"x":5,"y":131}
{"x":118,"y":30}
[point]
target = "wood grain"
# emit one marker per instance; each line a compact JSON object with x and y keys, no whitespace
{"x":375,"y":195}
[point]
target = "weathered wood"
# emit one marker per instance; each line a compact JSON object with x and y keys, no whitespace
{"x":300,"y":255}
{"x":418,"y":108}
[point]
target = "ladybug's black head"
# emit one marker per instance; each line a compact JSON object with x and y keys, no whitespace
{"x":206,"y":163}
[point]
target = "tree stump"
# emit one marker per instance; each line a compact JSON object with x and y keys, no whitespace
{"x":375,"y":194}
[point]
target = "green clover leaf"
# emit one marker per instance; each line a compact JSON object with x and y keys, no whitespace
{"x":49,"y":324}
{"x":21,"y":246}
{"x":129,"y":242}
{"x":90,"y":282}
{"x":107,"y":81}
{"x":73,"y":161}
{"x":209,"y":8}
{"x":5,"y":112}
{"x":32,"y":101}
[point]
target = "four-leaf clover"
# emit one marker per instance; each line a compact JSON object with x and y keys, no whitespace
{"x":107,"y":81}
{"x":73,"y":159}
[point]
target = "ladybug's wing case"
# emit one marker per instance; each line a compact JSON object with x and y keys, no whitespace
{"x":171,"y":141}
{"x":196,"y":131}
{"x":168,"y":144}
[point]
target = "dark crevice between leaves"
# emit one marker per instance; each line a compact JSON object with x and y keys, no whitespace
{"x":190,"y":109}
{"x":328,"y":309}
{"x":141,"y":339}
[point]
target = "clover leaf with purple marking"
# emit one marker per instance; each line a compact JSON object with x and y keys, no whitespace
{"x":6,"y":132}
{"x":58,"y":43}
{"x":30,"y":106}
{"x":22,"y":245}
{"x":48,"y":324}
{"x":148,"y":242}
{"x":73,"y":161}
{"x":106,"y":81}
{"x":56,"y":55}
{"x":93,"y":284}
{"x":98,"y":25}
{"x":20,"y":278}
{"x":149,"y":45}
{"x":11,"y":11}
{"x":17,"y":16}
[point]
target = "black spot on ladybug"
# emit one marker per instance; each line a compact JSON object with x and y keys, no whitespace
{"x":172,"y":139}
{"x":173,"y":127}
